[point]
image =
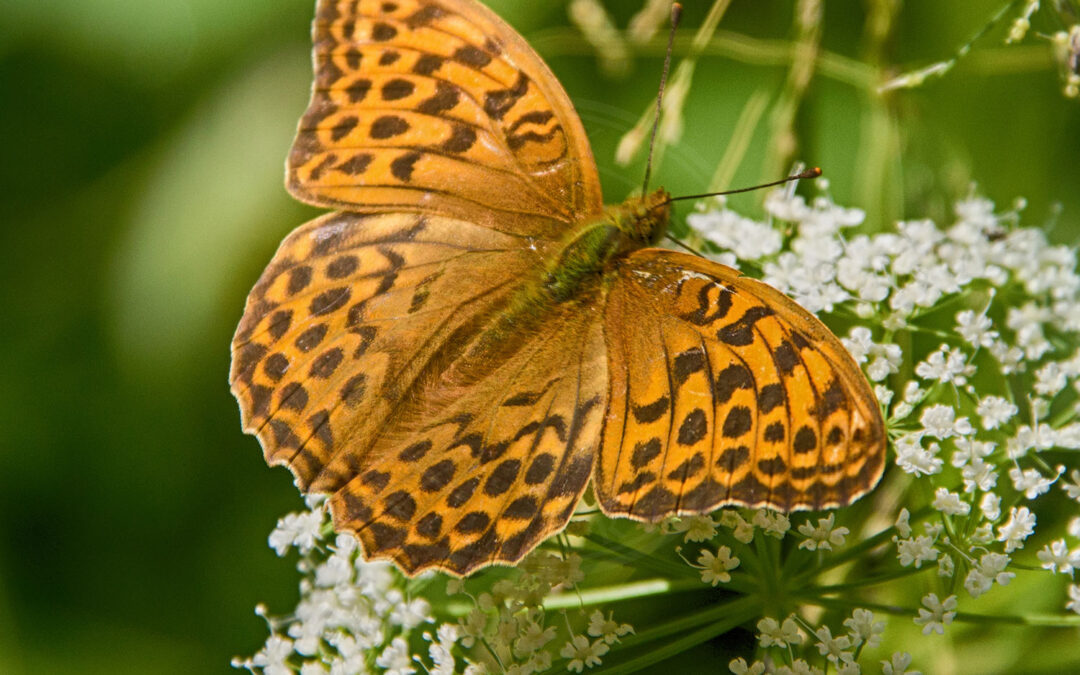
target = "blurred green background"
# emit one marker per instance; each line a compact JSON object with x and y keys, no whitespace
{"x":142,"y":195}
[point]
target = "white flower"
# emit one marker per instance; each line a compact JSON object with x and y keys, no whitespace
{"x":989,"y":569}
{"x":533,"y":636}
{"x":800,"y":667}
{"x":946,"y":366}
{"x":979,"y":475}
{"x":1056,"y":557}
{"x":835,"y":649}
{"x":1074,"y":598}
{"x":863,"y":629}
{"x":744,"y":530}
{"x":1019,"y":527}
{"x":885,"y":359}
{"x":746,"y":238}
{"x":975,"y":328}
{"x":774,"y":523}
{"x":937,"y":614}
{"x":697,"y":528}
{"x":1030,"y":482}
{"x":903,"y":524}
{"x":396,"y":658}
{"x":408,"y":613}
{"x":738,"y":667}
{"x":1009,"y":357}
{"x":296,"y":529}
{"x":1073,"y":489}
{"x":859,"y":342}
{"x":271,"y":658}
{"x":939,"y":421}
{"x":824,"y":536}
{"x":995,"y":411}
{"x":773,"y":633}
{"x":338,"y":569}
{"x":990,"y":506}
{"x":969,"y":450}
{"x":439,"y":650}
{"x":945,"y":566}
{"x":883,"y":394}
{"x":950,"y":503}
{"x":582,"y":653}
{"x":1027,"y":322}
{"x":715,"y":568}
{"x":1050,"y":379}
{"x":918,"y":550}
{"x":606,"y":627}
{"x":898,"y":664}
{"x":912,"y":457}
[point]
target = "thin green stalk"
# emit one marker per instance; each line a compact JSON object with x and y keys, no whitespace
{"x":664,"y":567}
{"x":1047,"y":620}
{"x":620,"y":592}
{"x":862,"y":583}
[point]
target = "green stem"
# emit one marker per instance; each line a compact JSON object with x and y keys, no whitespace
{"x":639,"y":559}
{"x":862,"y":583}
{"x":620,"y":592}
{"x":1047,"y":620}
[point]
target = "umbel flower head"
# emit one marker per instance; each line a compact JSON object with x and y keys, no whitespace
{"x":969,"y":330}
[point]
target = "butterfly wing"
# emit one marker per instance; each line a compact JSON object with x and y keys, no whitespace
{"x":439,"y":106}
{"x":724,"y":391}
{"x":384,"y":355}
{"x":381,"y":358}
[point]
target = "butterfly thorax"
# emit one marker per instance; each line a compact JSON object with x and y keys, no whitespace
{"x":642,"y":220}
{"x":589,"y":250}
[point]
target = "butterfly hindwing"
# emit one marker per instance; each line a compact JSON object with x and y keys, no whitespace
{"x":491,"y":458}
{"x":723,"y":391}
{"x":439,"y":106}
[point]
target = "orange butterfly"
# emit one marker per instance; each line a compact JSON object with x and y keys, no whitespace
{"x":454,"y":353}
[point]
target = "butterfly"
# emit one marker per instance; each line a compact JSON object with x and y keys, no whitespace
{"x":471,"y":337}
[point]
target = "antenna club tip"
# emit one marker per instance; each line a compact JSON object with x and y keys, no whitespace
{"x":815,"y":172}
{"x":676,"y":13}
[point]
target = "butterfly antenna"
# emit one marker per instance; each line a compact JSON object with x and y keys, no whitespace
{"x":809,"y":173}
{"x":688,"y":248}
{"x":676,"y":13}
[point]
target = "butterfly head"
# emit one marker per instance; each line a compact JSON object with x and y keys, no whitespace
{"x":643,"y":220}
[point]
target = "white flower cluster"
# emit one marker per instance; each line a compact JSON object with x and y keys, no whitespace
{"x":358,"y":617}
{"x":972,"y":413}
{"x":351,"y":612}
{"x":840,"y":651}
{"x":969,"y":333}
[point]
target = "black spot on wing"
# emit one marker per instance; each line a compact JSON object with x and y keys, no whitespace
{"x":651,"y":412}
{"x":740,"y":333}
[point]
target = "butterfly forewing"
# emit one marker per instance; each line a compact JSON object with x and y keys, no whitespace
{"x":352,"y":310}
{"x":723,"y":391}
{"x":439,"y":105}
